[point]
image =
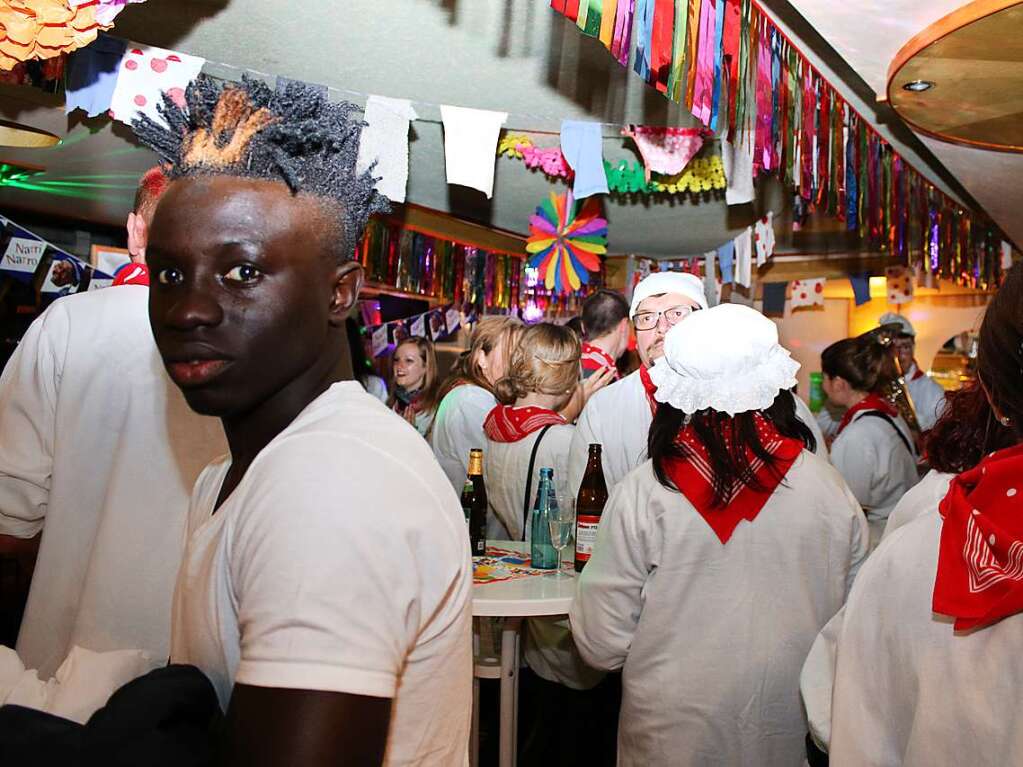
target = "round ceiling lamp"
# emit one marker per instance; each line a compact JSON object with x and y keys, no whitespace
{"x":960,"y":79}
{"x":25,"y":136}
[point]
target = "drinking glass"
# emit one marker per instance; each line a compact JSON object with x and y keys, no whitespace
{"x":562,"y":525}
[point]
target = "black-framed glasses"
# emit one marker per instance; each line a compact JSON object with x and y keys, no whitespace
{"x":649,"y":320}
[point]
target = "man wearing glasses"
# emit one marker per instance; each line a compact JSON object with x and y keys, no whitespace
{"x":619,"y":416}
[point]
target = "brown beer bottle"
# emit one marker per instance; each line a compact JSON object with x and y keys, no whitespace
{"x":476,"y":503}
{"x":589,"y":506}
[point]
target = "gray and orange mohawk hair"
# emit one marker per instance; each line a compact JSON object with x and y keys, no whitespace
{"x":294,"y":135}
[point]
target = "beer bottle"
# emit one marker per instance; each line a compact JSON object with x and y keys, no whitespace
{"x":589,"y":507}
{"x":476,"y":503}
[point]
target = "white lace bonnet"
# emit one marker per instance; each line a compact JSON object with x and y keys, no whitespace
{"x":726,"y":358}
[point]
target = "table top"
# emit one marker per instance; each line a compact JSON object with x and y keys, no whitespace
{"x":550,"y":594}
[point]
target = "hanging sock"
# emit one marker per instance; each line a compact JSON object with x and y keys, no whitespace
{"x":644,"y":42}
{"x":738,"y":171}
{"x":704,"y":86}
{"x":582,"y":146}
{"x":726,"y":258}
{"x":470,"y":146}
{"x":623,"y":31}
{"x":661,"y":43}
{"x":385,"y":141}
{"x":720,"y":11}
{"x":744,"y":258}
{"x":763,"y":238}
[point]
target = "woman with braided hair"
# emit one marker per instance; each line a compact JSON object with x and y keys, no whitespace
{"x":326,"y":578}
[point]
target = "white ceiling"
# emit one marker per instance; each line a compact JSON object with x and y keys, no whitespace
{"x":868,"y":34}
{"x":509,"y":55}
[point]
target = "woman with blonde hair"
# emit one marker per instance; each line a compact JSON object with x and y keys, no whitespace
{"x":467,"y":395}
{"x":527,"y":425}
{"x":526,"y":431}
{"x":414,"y":383}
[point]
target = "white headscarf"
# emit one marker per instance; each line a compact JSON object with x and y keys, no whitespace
{"x":727,"y":359}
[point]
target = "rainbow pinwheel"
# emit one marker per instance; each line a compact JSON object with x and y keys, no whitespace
{"x":565,"y":238}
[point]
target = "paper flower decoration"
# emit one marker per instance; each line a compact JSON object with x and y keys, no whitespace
{"x":107,"y":9}
{"x":42,"y":29}
{"x":565,"y":238}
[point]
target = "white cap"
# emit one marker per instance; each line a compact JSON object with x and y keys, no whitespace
{"x":727,"y":359}
{"x":658,"y":283}
{"x":890,"y":317}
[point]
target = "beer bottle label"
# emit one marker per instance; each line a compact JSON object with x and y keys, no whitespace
{"x":585,"y":536}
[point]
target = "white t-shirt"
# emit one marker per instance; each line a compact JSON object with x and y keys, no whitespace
{"x":504,"y":469}
{"x":618,"y":417}
{"x":876,"y":465}
{"x":711,"y":637}
{"x":377,"y":387}
{"x":458,"y":428}
{"x":100,"y":450}
{"x":339,"y":563}
{"x":910,"y":691}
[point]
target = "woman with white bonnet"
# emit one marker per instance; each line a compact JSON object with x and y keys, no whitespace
{"x":720,"y":558}
{"x":619,"y":416}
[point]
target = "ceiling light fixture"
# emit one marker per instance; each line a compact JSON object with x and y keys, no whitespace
{"x":918,"y":86}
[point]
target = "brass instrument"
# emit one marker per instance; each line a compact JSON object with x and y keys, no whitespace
{"x":894,"y":388}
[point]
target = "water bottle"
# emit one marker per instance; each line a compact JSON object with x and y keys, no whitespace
{"x":543,"y":555}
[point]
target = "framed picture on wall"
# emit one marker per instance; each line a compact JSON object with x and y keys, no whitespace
{"x":108,"y":259}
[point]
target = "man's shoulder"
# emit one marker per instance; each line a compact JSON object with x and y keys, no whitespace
{"x":349,"y":432}
{"x":625,"y":388}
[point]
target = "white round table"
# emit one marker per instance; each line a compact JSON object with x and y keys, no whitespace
{"x":541,"y":595}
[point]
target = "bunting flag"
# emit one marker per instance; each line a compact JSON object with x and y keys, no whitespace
{"x":899,"y":284}
{"x":29,"y":259}
{"x":807,"y":293}
{"x":728,"y":64}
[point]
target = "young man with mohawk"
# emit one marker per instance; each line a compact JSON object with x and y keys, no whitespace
{"x":325,"y":588}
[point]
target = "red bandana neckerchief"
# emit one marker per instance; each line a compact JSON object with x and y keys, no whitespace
{"x":595,"y":358}
{"x":694,"y":478}
{"x":510,"y":424}
{"x":649,"y":388}
{"x":132,"y":274}
{"x":980,"y":559}
{"x":917,"y":372}
{"x":870,"y":402}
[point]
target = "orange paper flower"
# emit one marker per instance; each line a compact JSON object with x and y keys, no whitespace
{"x":42,"y":29}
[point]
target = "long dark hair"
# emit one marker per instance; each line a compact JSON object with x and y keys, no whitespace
{"x":862,"y":361}
{"x":728,"y":463}
{"x":966,"y":431}
{"x":1000,"y":351}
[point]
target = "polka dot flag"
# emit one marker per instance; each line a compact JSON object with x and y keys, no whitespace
{"x":145,"y":74}
{"x":900,"y":284}
{"x":805,"y":293}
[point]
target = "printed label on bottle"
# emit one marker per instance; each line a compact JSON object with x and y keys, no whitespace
{"x":585,"y":536}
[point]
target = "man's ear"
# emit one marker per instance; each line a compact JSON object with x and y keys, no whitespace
{"x":347,"y":284}
{"x":138,"y":236}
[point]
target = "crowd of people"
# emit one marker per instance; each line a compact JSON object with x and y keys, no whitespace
{"x":222,"y":481}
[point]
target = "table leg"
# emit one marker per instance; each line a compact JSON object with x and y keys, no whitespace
{"x":474,"y":731}
{"x":509,"y":691}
